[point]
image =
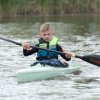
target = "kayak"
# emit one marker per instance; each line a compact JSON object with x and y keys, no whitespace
{"x":39,"y":72}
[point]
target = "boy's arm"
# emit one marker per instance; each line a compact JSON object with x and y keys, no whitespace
{"x":59,"y":48}
{"x":31,"y":51}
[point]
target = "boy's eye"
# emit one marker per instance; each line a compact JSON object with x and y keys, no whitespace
{"x":46,"y":34}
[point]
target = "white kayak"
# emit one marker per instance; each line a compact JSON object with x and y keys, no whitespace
{"x":40,"y":72}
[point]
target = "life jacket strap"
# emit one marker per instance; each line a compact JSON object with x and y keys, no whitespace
{"x":46,"y":57}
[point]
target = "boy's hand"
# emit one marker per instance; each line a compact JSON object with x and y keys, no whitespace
{"x":69,"y":54}
{"x":26,"y":45}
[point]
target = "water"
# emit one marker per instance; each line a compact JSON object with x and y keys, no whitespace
{"x":81,"y":37}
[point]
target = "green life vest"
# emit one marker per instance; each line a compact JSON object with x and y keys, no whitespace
{"x":51,"y":45}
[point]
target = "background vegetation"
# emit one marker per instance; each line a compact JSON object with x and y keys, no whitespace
{"x":16,"y":8}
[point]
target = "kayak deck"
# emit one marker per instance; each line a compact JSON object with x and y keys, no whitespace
{"x":39,"y":72}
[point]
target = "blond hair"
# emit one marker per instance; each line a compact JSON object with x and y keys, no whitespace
{"x":45,"y":27}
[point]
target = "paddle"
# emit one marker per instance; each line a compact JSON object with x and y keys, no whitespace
{"x":93,"y":59}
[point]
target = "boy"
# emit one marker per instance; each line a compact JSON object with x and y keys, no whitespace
{"x":48,"y":41}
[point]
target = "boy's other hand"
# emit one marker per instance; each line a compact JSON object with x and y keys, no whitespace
{"x":26,"y":45}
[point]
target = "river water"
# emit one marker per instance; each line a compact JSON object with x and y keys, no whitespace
{"x":80,"y":35}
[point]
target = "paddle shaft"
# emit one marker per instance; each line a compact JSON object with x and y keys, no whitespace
{"x":20,"y":44}
{"x":93,"y":59}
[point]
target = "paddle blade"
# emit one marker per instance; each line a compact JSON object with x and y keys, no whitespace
{"x":93,"y":59}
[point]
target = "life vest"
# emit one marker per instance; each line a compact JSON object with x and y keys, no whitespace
{"x":51,"y":45}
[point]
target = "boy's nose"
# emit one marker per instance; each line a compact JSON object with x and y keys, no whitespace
{"x":47,"y":35}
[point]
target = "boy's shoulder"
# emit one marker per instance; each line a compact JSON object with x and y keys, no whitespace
{"x":40,"y":40}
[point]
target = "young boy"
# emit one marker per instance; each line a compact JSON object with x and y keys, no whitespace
{"x":48,"y":41}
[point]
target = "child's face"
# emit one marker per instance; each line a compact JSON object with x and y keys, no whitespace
{"x":47,"y":35}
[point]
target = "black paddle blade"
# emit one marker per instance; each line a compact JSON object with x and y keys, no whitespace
{"x":93,"y":59}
